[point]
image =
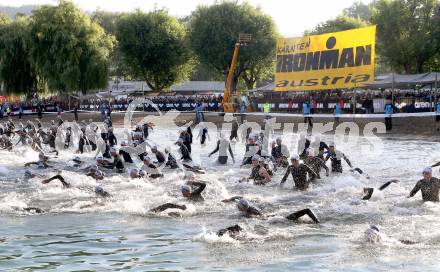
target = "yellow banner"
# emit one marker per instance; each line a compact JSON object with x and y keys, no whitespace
{"x":336,"y":60}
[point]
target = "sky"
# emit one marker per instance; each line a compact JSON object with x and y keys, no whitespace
{"x":292,"y":17}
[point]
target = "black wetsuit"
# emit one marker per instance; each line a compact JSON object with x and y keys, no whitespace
{"x":167,"y":206}
{"x":187,"y":140}
{"x":58,"y":177}
{"x":299,"y":175}
{"x":152,"y":171}
{"x":222,"y":159}
{"x":234,"y":131}
{"x":145,"y":128}
{"x":204,"y":135}
{"x":68,"y":138}
{"x":112,"y":140}
{"x":316,"y":164}
{"x":252,"y":212}
{"x":430,"y":189}
{"x":106,"y":153}
{"x":322,"y":145}
{"x":248,"y":157}
{"x":160,"y":157}
{"x":171,"y":162}
{"x":126,"y":156}
{"x":196,"y":195}
{"x":118,"y":164}
{"x":185,"y":152}
{"x":336,"y":160}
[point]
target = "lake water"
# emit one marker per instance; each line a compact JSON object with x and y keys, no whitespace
{"x":122,"y":235}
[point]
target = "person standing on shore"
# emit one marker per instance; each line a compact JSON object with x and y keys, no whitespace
{"x":437,"y":115}
{"x":306,"y":112}
{"x":20,"y":111}
{"x":75,"y":111}
{"x":389,"y":109}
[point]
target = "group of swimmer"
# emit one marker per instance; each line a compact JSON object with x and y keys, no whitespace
{"x":305,"y":167}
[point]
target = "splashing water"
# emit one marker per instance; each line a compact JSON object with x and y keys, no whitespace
{"x":80,"y":233}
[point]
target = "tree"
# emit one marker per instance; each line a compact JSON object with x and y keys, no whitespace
{"x":108,"y":21}
{"x":340,"y":23}
{"x":17,"y":73}
{"x":153,"y":46}
{"x":70,"y":50}
{"x":214,"y":30}
{"x":359,"y":10}
{"x":407,"y":32}
{"x":4,"y":19}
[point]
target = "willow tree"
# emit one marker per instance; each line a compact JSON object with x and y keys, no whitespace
{"x":70,"y":50}
{"x":18,"y":74}
{"x":153,"y":47}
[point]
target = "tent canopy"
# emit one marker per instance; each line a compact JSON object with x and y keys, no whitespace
{"x":397,"y":80}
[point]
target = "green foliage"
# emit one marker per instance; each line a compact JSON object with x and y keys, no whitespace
{"x":153,"y":46}
{"x":69,"y":49}
{"x":4,"y":19}
{"x":340,"y":23}
{"x":17,"y":73}
{"x":408,"y":33}
{"x":107,"y":20}
{"x":214,"y":30}
{"x":359,"y":10}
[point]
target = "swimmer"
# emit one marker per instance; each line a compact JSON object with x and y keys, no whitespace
{"x":299,"y":173}
{"x":58,"y":177}
{"x":167,"y":206}
{"x":315,"y":163}
{"x":232,"y":231}
{"x":429,"y":186}
{"x":259,"y":173}
{"x":369,"y":191}
{"x":336,"y":157}
{"x":223,"y":146}
{"x":249,"y":211}
{"x":193,"y":194}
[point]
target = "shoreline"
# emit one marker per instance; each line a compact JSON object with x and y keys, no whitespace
{"x":402,"y":126}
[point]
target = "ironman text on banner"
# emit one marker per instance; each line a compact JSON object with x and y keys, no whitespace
{"x":329,"y":61}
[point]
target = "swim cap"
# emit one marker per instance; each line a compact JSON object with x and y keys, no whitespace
{"x":374,"y":227}
{"x":154,"y":148}
{"x":112,"y":150}
{"x":99,"y":158}
{"x":123,"y":143}
{"x":310,"y":151}
{"x":99,"y":190}
{"x":427,"y":170}
{"x":134,"y":172}
{"x":332,"y":144}
{"x":27,"y":173}
{"x":256,"y":157}
{"x":189,"y":175}
{"x":295,"y":157}
{"x":242,"y":205}
{"x":142,"y":173}
{"x":185,"y":189}
{"x":146,"y":158}
{"x":76,"y":158}
{"x":179,"y":140}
